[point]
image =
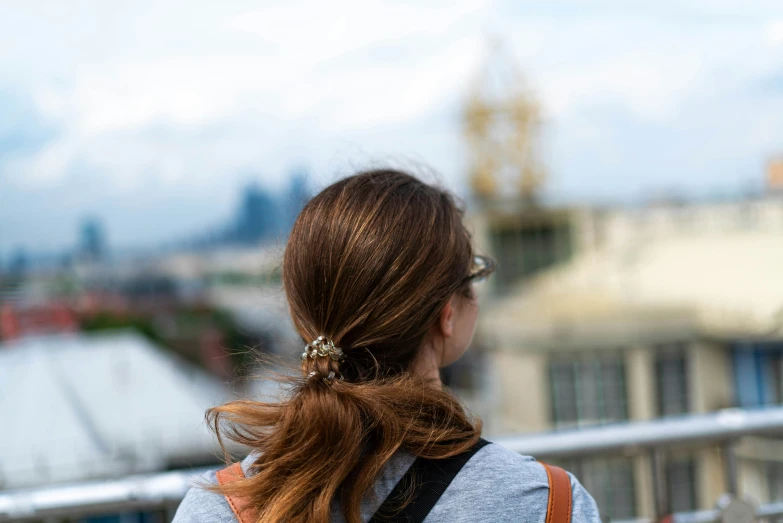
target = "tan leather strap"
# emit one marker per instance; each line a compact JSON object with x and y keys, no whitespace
{"x":239,"y":506}
{"x":559,"y":507}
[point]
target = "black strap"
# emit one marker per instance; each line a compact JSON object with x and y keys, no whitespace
{"x":431,"y":478}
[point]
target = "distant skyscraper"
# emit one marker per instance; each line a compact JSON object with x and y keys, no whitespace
{"x":92,"y":240}
{"x":19,"y":263}
{"x":296,"y":197}
{"x":259,"y":216}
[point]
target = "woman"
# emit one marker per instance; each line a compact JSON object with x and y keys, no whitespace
{"x":378,"y":273}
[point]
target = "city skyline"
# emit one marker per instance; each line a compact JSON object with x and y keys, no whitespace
{"x":261,"y":218}
{"x":151,"y":117}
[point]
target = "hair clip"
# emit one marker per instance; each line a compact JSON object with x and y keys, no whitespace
{"x":332,"y":375}
{"x":322,"y":346}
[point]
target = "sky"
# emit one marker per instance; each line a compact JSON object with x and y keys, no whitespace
{"x":153,"y":115}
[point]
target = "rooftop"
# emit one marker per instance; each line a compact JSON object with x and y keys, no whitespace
{"x":718,"y":285}
{"x":78,"y":407}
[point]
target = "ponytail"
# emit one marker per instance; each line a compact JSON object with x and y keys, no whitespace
{"x":330,"y":439}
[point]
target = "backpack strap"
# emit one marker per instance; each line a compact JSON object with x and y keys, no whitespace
{"x":239,"y":506}
{"x":559,"y":507}
{"x":430,"y":478}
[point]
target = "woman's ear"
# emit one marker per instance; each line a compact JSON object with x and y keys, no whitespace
{"x":446,"y":319}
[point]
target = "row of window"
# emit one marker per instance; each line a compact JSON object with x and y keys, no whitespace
{"x":591,"y":388}
{"x":589,"y":391}
{"x":611,"y":482}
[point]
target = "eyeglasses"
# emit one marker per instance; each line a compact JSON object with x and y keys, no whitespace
{"x":482,"y":267}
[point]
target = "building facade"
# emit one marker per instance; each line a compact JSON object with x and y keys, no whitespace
{"x":639,"y":314}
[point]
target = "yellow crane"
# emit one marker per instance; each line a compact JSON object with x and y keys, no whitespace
{"x":502,"y":120}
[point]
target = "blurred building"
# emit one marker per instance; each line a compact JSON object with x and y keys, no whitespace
{"x":259,"y":218}
{"x":17,"y":321}
{"x":608,"y":315}
{"x":605,"y":315}
{"x":92,"y":241}
{"x":82,"y":407}
{"x":296,"y":197}
{"x":775,"y":175}
{"x":19,"y":264}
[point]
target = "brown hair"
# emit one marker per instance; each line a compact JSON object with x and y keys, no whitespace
{"x":370,"y":263}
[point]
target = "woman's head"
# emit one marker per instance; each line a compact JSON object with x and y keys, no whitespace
{"x":380,"y":262}
{"x":382,"y":265}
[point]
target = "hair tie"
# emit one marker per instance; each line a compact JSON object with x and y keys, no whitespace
{"x":332,"y":375}
{"x":322,"y":346}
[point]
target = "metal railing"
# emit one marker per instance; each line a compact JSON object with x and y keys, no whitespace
{"x":164,"y":491}
{"x":718,"y":427}
{"x":723,"y":428}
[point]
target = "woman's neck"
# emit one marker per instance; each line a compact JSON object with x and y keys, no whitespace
{"x":426,"y":365}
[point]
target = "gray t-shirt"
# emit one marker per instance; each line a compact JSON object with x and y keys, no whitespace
{"x":496,"y":485}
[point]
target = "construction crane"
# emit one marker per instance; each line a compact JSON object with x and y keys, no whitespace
{"x":502,"y":120}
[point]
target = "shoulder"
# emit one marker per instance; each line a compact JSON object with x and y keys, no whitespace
{"x":201,"y":505}
{"x":498,"y":484}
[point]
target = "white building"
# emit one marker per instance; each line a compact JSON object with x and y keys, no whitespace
{"x":636,"y":314}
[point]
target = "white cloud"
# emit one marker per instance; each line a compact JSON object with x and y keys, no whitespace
{"x":201,"y":93}
{"x":307,"y":63}
{"x":313,"y":32}
{"x":651,"y":67}
{"x":774,"y":32}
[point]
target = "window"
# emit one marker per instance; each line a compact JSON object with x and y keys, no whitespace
{"x":758,"y":374}
{"x":527,"y":246}
{"x":775,"y":480}
{"x":671,"y":378}
{"x":610,"y":481}
{"x":774,"y":472}
{"x":588,"y":391}
{"x":681,"y":481}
